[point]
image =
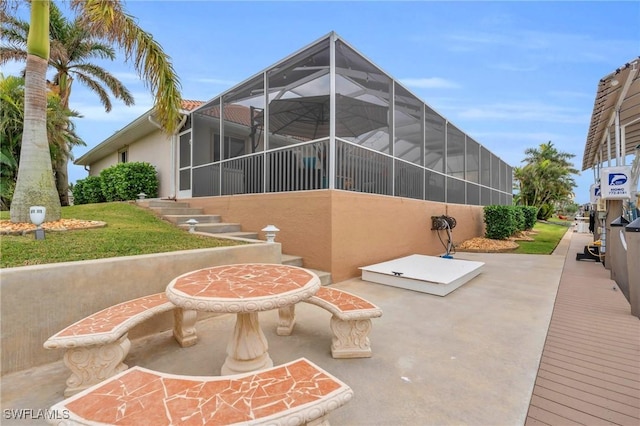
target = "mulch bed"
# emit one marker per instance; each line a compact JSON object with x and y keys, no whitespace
{"x":486,"y":245}
{"x":9,"y":228}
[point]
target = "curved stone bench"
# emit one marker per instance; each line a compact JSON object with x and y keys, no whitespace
{"x":350,"y":321}
{"x":296,"y":393}
{"x":97,"y":345}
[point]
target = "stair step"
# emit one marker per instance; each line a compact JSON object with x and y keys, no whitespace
{"x":181,"y":211}
{"x":325,"y":277}
{"x":245,"y":235}
{"x":201,"y":218}
{"x":215,"y":228}
{"x":165,"y":203}
{"x":291,"y":260}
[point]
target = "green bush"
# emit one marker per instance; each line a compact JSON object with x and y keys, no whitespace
{"x":530,"y":215}
{"x":88,"y":191}
{"x":500,"y":222}
{"x":518,"y":216}
{"x":125,"y":181}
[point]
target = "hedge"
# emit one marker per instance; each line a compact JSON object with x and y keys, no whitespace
{"x":125,"y":181}
{"x":500,"y":221}
{"x":88,"y":190}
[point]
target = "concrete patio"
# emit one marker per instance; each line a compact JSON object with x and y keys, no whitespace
{"x":471,"y":357}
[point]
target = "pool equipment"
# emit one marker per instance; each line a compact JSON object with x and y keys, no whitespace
{"x":444,"y":223}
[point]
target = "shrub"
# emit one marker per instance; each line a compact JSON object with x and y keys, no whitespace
{"x":125,"y":181}
{"x":500,"y":222}
{"x":518,"y":216}
{"x":530,"y":215}
{"x":88,"y":190}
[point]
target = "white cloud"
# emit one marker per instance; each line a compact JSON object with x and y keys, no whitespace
{"x":92,"y":110}
{"x":13,"y":68}
{"x":536,"y":137}
{"x":524,"y":111}
{"x":215,"y":81}
{"x":541,"y":46}
{"x":127,"y":77}
{"x":430,"y":83}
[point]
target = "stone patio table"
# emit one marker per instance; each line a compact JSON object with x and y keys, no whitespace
{"x":245,"y":290}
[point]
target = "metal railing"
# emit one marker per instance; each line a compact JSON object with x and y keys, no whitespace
{"x":305,"y":166}
{"x":298,"y":168}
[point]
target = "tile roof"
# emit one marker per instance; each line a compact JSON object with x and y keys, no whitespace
{"x":190,"y":105}
{"x":234,"y":113}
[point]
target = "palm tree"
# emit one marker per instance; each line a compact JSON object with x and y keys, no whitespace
{"x":106,"y":19}
{"x":60,"y":131}
{"x":546,"y":178}
{"x":72,"y":46}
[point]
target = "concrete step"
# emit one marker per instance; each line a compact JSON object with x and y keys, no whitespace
{"x":292,"y":260}
{"x":164,"y":203}
{"x":181,"y":211}
{"x":246,"y":235}
{"x":288,"y":259}
{"x":201,"y":218}
{"x":325,"y":277}
{"x":215,"y":228}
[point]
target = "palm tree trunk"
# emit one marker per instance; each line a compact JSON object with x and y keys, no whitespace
{"x":62,"y":178}
{"x":35,"y":185}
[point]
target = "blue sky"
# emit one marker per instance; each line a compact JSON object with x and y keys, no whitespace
{"x":511,"y":74}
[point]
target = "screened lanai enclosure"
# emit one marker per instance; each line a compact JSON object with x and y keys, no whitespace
{"x":328,"y":118}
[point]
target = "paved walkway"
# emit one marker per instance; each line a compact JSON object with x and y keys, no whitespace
{"x":470,"y":358}
{"x":590,"y":367}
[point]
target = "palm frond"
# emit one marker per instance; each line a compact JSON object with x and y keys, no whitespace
{"x":108,"y":19}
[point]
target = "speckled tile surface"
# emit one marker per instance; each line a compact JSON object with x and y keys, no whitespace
{"x":106,"y":320}
{"x":243,"y":281}
{"x":141,"y":396}
{"x":344,"y":301}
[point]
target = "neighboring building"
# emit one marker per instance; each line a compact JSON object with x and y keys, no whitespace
{"x":343,"y":158}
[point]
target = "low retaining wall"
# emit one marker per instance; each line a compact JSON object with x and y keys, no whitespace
{"x":38,"y":301}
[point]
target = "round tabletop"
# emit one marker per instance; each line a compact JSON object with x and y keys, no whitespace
{"x":242,"y":288}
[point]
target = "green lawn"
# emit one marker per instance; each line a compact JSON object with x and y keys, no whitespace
{"x":130,"y":230}
{"x":547,"y":238}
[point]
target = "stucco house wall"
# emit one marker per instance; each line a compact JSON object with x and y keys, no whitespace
{"x":340,"y":231}
{"x":153,"y":148}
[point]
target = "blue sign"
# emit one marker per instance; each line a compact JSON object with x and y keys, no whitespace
{"x":615,"y":183}
{"x":616,"y":179}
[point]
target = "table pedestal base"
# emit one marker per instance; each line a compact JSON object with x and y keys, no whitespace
{"x":247,"y":348}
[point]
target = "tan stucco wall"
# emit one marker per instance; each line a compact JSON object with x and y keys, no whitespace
{"x":368,"y":229}
{"x":155,"y":149}
{"x":339,"y":231}
{"x":304,"y":220}
{"x":38,"y":301}
{"x":98,"y":166}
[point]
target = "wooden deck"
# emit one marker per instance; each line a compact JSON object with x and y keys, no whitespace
{"x":590,"y":367}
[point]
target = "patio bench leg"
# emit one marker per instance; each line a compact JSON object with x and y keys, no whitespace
{"x":350,"y":338}
{"x":286,"y":321}
{"x":92,"y":364}
{"x":184,"y":327}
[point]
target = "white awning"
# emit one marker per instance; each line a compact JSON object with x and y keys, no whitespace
{"x":618,"y":91}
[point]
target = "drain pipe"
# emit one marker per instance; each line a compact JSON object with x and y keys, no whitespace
{"x":174,"y":137}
